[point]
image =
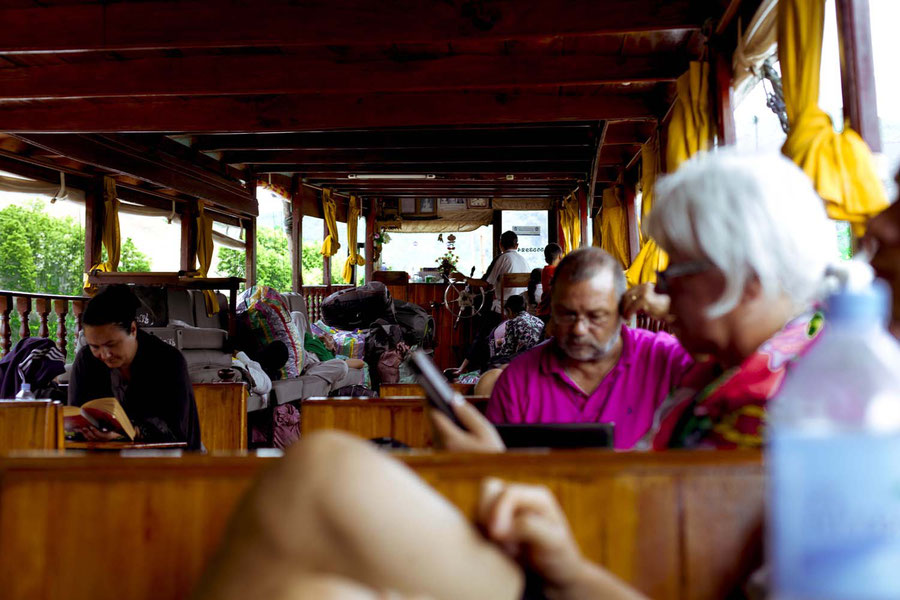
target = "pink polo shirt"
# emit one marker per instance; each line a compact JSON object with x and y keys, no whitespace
{"x":535,"y":388}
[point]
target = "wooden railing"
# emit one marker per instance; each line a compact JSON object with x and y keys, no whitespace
{"x":651,"y":324}
{"x":45,"y":306}
{"x":315,"y":294}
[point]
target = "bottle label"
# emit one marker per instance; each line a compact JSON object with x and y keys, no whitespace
{"x":834,"y":516}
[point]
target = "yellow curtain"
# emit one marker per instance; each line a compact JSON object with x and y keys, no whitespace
{"x":353,"y":257}
{"x":111,"y":235}
{"x":205,"y":256}
{"x":613,"y":232}
{"x":597,"y":229}
{"x":651,"y":258}
{"x":331,"y":244}
{"x":691,"y":129}
{"x":570,"y":222}
{"x":839,"y":164}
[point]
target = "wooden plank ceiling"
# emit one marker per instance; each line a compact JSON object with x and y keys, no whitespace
{"x":486,"y":98}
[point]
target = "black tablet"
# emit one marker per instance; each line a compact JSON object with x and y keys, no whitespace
{"x":558,"y":435}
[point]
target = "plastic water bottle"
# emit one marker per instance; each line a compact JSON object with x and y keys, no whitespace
{"x":834,"y":459}
{"x":25,"y":392}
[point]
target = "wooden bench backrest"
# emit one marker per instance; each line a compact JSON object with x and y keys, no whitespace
{"x":678,"y":526}
{"x":30,"y":425}
{"x":513,"y":280}
{"x":400,"y":418}
{"x":414,"y":390}
{"x":397,"y":283}
{"x":222,"y":411}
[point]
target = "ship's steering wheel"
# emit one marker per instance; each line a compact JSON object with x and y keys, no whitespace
{"x":461,"y":299}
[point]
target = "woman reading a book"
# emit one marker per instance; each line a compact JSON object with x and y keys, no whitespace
{"x":147,"y":377}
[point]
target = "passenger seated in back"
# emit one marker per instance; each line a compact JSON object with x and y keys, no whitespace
{"x":148,"y":377}
{"x":553,"y":254}
{"x":521,"y":332}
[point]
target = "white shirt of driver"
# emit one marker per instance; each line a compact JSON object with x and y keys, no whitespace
{"x":508,"y":262}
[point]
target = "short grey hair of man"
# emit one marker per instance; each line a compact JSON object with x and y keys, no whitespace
{"x":750,"y":216}
{"x":585,"y":263}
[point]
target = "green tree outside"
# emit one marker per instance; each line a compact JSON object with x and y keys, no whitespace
{"x":40,"y":253}
{"x":273,"y":261}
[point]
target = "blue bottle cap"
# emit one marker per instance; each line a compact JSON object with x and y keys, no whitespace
{"x":872,"y":304}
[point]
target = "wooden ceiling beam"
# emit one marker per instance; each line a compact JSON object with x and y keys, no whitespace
{"x":404,"y":157}
{"x":560,"y":135}
{"x":280,"y":74}
{"x":317,"y":112}
{"x":616,"y":155}
{"x":629,"y":132}
{"x":210,"y":24}
{"x":152,"y":166}
{"x":435,"y":168}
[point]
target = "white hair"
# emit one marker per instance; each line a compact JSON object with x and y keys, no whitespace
{"x":750,"y":216}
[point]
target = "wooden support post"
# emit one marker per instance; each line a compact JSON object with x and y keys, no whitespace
{"x":497,"y":224}
{"x":370,"y":239}
{"x":250,"y":242}
{"x":553,"y":235}
{"x":6,"y":305}
{"x":326,"y":261}
{"x":295,"y":243}
{"x":61,"y":308}
{"x":723,"y":100}
{"x":858,"y":70}
{"x":631,"y":215}
{"x":582,"y":197}
{"x":189,"y":236}
{"x":93,"y":224}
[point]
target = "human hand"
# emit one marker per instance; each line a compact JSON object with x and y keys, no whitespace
{"x":528,"y":523}
{"x":479,"y":436}
{"x":644,"y":299}
{"x":92,"y":434}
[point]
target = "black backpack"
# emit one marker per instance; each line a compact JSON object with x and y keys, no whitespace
{"x":357,"y":308}
{"x":417,"y":324}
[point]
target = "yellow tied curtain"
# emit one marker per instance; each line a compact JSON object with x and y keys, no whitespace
{"x":691,"y":129}
{"x":353,"y":257}
{"x":111,"y":235}
{"x":205,"y":256}
{"x":839,"y":164}
{"x":651,"y":258}
{"x":612,"y":227}
{"x":570,"y":222}
{"x":331,"y":244}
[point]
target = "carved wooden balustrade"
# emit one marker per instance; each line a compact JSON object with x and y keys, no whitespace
{"x":45,"y":306}
{"x":647,"y":322}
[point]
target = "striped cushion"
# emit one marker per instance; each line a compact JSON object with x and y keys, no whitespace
{"x":266,"y":313}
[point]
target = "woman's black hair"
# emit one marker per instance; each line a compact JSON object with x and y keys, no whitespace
{"x":551,"y":251}
{"x":113,"y":305}
{"x":515,"y":304}
{"x":533,"y":281}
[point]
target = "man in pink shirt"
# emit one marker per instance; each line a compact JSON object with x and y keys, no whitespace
{"x":594,"y":369}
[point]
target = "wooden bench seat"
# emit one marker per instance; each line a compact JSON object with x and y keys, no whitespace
{"x":414,"y":390}
{"x":222,"y":413}
{"x":30,"y":425}
{"x":400,"y":418}
{"x":678,"y":525}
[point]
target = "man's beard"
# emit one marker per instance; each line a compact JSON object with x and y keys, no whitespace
{"x":585,"y":348}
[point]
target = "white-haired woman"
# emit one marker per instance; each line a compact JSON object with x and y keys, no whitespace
{"x":748,"y":243}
